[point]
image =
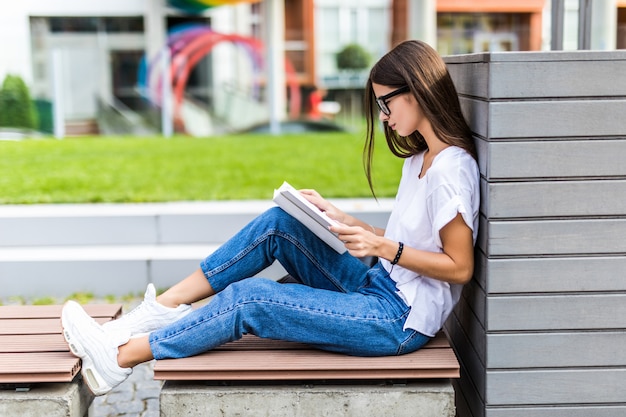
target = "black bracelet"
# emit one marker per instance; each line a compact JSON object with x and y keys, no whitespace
{"x":397,"y":258}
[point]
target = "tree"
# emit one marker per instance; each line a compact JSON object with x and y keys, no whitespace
{"x":16,"y":107}
{"x":353,"y":57}
{"x":352,"y":60}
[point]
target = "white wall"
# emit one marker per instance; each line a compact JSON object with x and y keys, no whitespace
{"x":15,"y":40}
{"x":15,"y":25}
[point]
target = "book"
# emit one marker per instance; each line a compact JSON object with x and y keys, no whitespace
{"x":290,"y":200}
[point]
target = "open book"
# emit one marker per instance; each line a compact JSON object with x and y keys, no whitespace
{"x":290,"y":200}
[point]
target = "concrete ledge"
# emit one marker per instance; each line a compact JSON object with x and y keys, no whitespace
{"x":50,"y":400}
{"x":102,"y":270}
{"x":119,"y":248}
{"x":414,"y":399}
{"x":148,"y":223}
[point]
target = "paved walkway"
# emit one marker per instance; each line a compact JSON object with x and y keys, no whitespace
{"x":138,"y":396}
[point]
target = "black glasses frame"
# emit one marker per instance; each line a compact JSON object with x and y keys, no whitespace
{"x":382,"y":100}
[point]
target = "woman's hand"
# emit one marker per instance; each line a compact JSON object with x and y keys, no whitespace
{"x":324,"y":205}
{"x":360,"y":242}
{"x":360,"y":238}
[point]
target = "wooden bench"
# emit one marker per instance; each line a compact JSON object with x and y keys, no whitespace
{"x":37,"y":371}
{"x":284,"y":378}
{"x":253,"y":358}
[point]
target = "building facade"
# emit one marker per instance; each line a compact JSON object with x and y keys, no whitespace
{"x":99,"y":46}
{"x":466,"y":26}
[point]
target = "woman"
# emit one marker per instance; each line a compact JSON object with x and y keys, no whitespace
{"x":425,"y":253}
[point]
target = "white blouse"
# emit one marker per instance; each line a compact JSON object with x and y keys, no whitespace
{"x":422,"y":208}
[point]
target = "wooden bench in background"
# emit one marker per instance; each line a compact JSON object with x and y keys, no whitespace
{"x":37,"y":371}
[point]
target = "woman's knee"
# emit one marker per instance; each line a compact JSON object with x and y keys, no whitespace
{"x":276,"y":215}
{"x":251,"y":289}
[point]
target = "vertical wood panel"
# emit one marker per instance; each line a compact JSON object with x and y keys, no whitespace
{"x":554,"y":275}
{"x":556,"y":237}
{"x":551,"y":350}
{"x":582,"y":410}
{"x":548,"y":294}
{"x":554,"y":79}
{"x":563,"y":386}
{"x":556,"y":312}
{"x":562,"y":158}
{"x":523,"y":119}
{"x":554,"y":198}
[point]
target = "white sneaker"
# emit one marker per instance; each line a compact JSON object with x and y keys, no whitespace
{"x":147,"y":316}
{"x":98,"y":351}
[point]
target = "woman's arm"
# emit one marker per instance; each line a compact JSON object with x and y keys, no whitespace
{"x":454,"y":265}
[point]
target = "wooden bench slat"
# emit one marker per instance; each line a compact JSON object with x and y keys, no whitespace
{"x":35,"y":326}
{"x":38,"y":367}
{"x":253,"y":358}
{"x":33,"y":343}
{"x":32,"y":348}
{"x":305,"y":375}
{"x":251,"y":342}
{"x":281,"y":360}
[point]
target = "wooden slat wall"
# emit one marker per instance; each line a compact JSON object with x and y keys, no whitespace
{"x":32,"y":347}
{"x":539,"y":331}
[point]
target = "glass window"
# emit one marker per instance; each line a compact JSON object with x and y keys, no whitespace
{"x":377,"y":31}
{"x":463,"y":33}
{"x":73,"y":24}
{"x":92,"y":24}
{"x":123,"y":24}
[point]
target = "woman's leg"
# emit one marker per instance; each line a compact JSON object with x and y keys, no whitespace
{"x":366,"y":323}
{"x":272,"y":235}
{"x":134,"y":352}
{"x":191,"y":289}
{"x":275,"y":235}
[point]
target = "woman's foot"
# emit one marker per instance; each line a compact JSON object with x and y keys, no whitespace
{"x":147,"y":317}
{"x":97,"y":349}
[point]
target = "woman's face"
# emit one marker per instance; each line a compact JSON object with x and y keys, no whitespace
{"x":405,"y":114}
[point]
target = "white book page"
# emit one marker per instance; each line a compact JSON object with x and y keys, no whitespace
{"x":290,"y":200}
{"x":305,"y":205}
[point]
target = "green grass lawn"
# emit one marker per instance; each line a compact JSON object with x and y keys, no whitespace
{"x":234,"y":167}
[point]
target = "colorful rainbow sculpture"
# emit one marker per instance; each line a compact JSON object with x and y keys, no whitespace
{"x":198,"y":6}
{"x":187,"y":45}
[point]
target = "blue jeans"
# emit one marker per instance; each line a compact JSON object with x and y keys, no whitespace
{"x":339,"y":304}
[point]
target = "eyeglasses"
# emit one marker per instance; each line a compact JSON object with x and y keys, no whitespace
{"x":382,"y":100}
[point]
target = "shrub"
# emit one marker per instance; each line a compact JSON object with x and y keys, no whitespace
{"x":16,"y":107}
{"x":353,"y":57}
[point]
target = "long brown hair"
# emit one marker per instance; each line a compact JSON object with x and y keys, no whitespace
{"x":415,"y":64}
